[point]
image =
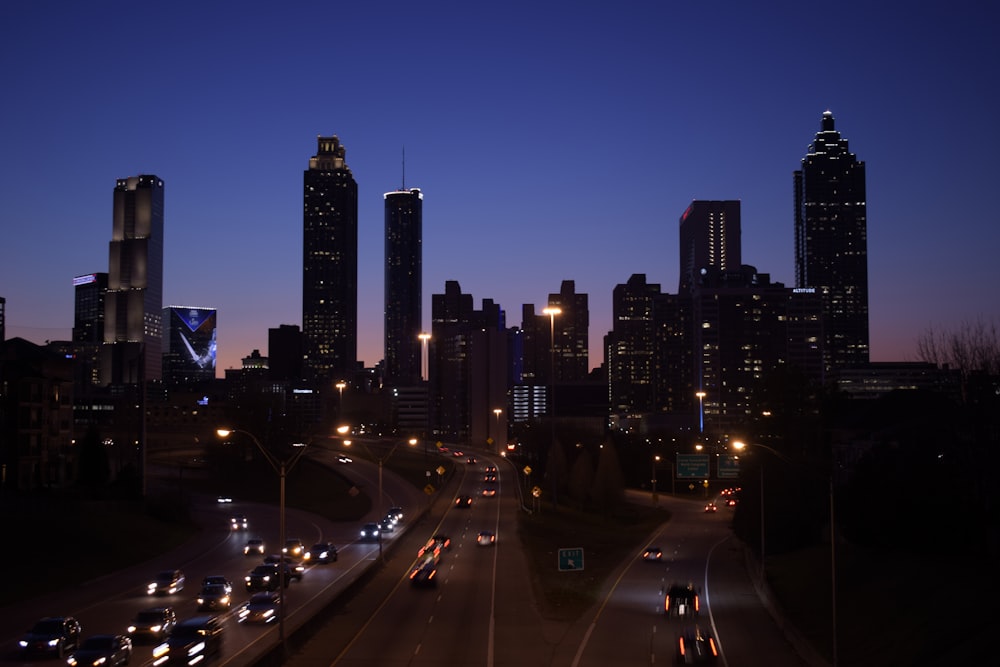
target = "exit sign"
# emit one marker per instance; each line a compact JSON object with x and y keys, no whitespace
{"x":570,"y":560}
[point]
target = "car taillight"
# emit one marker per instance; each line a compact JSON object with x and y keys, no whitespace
{"x":711,"y":643}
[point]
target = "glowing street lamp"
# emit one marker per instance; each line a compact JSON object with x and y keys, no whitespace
{"x":424,"y":362}
{"x":381,"y":460}
{"x":552,"y":311}
{"x":701,"y":411}
{"x":282,"y":467}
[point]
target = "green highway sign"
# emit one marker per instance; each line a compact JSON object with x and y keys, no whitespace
{"x":729,"y":467}
{"x":570,"y":560}
{"x":692,"y":466}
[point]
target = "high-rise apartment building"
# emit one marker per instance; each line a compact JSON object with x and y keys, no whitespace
{"x":329,"y":265}
{"x":403,"y":286}
{"x":709,"y":240}
{"x":133,"y":302}
{"x":284,"y":352}
{"x":88,"y":325}
{"x":571,"y":333}
{"x":831,"y":243}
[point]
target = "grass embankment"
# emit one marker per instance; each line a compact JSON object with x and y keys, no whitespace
{"x":606,"y":540}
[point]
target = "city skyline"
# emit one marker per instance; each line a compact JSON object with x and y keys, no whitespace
{"x":549,"y":146}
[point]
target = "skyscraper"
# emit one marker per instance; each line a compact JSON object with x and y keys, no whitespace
{"x":831,"y":243}
{"x":189,"y":346}
{"x":709,"y":240}
{"x":134,"y":299}
{"x":403,"y":286}
{"x":329,"y":265}
{"x":88,"y":324}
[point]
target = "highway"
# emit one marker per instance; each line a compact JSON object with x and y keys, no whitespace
{"x":481,"y":611}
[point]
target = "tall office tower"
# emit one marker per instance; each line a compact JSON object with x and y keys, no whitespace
{"x":329,"y":265}
{"x":284,"y":352}
{"x":134,"y":299}
{"x":709,"y":240}
{"x":831,"y":243}
{"x":88,"y":325}
{"x":403,"y":262}
{"x":630,"y":347}
{"x":571,"y":333}
{"x":189,"y":346}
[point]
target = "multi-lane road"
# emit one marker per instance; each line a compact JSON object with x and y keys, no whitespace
{"x":481,"y":610}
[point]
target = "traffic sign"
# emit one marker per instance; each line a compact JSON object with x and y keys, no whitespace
{"x":570,"y":560}
{"x":729,"y":467}
{"x":692,"y":466}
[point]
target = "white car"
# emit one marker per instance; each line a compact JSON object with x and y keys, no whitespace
{"x":486,"y":538}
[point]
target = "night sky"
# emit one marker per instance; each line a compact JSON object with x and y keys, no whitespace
{"x":550,"y":144}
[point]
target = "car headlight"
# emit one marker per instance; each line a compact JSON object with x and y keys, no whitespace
{"x":154,"y":628}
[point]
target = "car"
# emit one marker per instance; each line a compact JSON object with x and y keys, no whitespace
{"x":370,"y":532}
{"x":219,"y":579}
{"x":489,"y":492}
{"x":344,"y":459}
{"x":214,"y":597}
{"x":435,"y":545}
{"x":397,"y":512}
{"x":254,"y":547}
{"x":102,"y":651}
{"x":486,"y":538}
{"x":711,"y":507}
{"x":293,"y":569}
{"x":260,"y":608}
{"x":463,"y":501}
{"x":392,"y":518}
{"x":154,"y":624}
{"x":424,"y":573}
{"x":194,"y":641}
{"x":238,"y":522}
{"x":166,"y":582}
{"x":458,"y":453}
{"x":491,"y":470}
{"x":695,"y":647}
{"x":387,"y":525}
{"x":731,"y":501}
{"x":654,"y":554}
{"x":224,"y":500}
{"x":294,"y":549}
{"x":266,"y":577}
{"x":322,"y":552}
{"x":53,"y":634}
{"x":490,"y":477}
{"x":471,"y":460}
{"x":681,"y":601}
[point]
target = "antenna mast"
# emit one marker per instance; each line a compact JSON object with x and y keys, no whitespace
{"x":404,"y":168}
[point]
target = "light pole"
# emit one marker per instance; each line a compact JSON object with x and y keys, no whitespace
{"x":552,"y":311}
{"x":381,"y":460}
{"x":424,"y":362}
{"x":282,"y":467}
{"x":656,"y":459}
{"x":497,"y":412}
{"x":740,"y":446}
{"x":701,"y":412}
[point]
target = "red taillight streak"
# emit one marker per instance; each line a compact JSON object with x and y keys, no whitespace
{"x":711,"y":642}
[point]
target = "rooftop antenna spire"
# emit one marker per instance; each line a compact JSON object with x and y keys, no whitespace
{"x":404,"y":168}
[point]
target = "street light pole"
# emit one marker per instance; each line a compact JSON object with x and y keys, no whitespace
{"x":552,"y":311}
{"x":424,"y":361}
{"x":701,"y":412}
{"x":656,"y":458}
{"x":281,"y":467}
{"x":381,"y":460}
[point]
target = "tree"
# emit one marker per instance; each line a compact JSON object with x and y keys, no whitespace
{"x":608,"y":490}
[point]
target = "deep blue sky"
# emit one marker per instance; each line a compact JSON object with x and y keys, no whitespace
{"x":550,"y":143}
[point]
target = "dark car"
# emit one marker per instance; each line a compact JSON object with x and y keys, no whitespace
{"x":265,"y":577}
{"x":53,"y":634}
{"x":322,"y":552}
{"x":166,"y":582}
{"x":654,"y":554}
{"x":463,"y":501}
{"x":370,"y":532}
{"x":387,"y":525}
{"x":681,"y":601}
{"x":293,"y":569}
{"x":214,"y":597}
{"x":695,"y":647}
{"x":435,"y":545}
{"x":102,"y":651}
{"x":397,"y":512}
{"x":155,"y":623}
{"x":218,"y":579}
{"x":424,"y":573}
{"x":260,"y":608}
{"x":254,"y":547}
{"x":294,"y":550}
{"x":194,"y":641}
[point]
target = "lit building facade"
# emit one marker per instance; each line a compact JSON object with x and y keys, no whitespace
{"x":133,"y":302}
{"x":709,"y":239}
{"x":831,"y":243}
{"x":329,"y":265}
{"x":189,"y":346}
{"x":88,"y":325}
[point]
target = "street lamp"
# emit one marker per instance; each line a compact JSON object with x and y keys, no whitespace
{"x":381,"y":460}
{"x":497,"y":412}
{"x":701,"y":411}
{"x":424,"y":362}
{"x":656,"y":459}
{"x":740,"y":446}
{"x":282,"y":467}
{"x":552,"y":311}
